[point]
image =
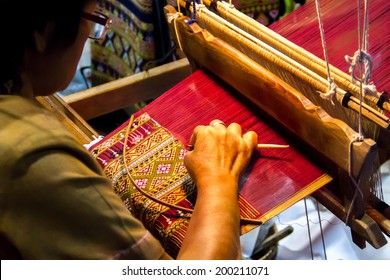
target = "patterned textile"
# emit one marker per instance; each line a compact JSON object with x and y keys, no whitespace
{"x":155,"y":162}
{"x":135,"y":38}
{"x":139,"y":35}
{"x":265,"y":11}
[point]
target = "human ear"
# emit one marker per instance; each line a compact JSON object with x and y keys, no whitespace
{"x":42,"y":38}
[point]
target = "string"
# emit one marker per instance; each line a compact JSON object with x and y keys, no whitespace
{"x":178,"y":6}
{"x":169,"y":205}
{"x":321,"y":230}
{"x":231,"y":6}
{"x":365,"y":37}
{"x":361,"y":56}
{"x":368,"y":87}
{"x":332,"y":85}
{"x":308,"y":230}
{"x":308,"y":60}
{"x":174,"y":17}
{"x":364,"y":57}
{"x":354,"y":182}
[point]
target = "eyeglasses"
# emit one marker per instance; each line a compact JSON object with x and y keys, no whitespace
{"x":100,"y":24}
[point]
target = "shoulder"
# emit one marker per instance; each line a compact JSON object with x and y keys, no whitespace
{"x":28,"y":131}
{"x":22,"y":118}
{"x":27,"y":126}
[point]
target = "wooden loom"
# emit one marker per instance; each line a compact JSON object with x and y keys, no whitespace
{"x":240,"y":63}
{"x":205,"y":50}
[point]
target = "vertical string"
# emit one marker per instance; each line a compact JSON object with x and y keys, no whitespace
{"x":355,"y":183}
{"x":178,"y":6}
{"x":359,"y":25}
{"x":332,"y":85}
{"x":322,"y":231}
{"x":365,"y":37}
{"x":174,"y":17}
{"x":360,"y":68}
{"x":360,"y":56}
{"x":364,"y":59}
{"x":308,"y":230}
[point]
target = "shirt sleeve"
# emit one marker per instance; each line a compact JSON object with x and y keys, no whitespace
{"x":60,"y":206}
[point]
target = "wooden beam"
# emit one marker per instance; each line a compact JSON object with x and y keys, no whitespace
{"x":121,"y":93}
{"x":69,"y":118}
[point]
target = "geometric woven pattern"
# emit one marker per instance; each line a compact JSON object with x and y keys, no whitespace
{"x":155,"y":162}
{"x":129,"y":43}
{"x":263,"y":11}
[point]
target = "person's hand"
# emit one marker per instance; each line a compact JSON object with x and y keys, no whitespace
{"x":219,"y":157}
{"x":219,"y":152}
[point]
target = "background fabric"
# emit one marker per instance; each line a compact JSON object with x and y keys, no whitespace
{"x":138,"y":36}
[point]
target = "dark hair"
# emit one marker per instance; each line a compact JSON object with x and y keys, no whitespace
{"x":20,"y":18}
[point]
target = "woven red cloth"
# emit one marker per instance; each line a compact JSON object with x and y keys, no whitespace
{"x":275,"y":179}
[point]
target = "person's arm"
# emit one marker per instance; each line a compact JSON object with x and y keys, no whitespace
{"x":61,"y":207}
{"x":219,"y":157}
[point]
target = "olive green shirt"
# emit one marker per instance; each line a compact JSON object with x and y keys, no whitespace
{"x":55,"y":202}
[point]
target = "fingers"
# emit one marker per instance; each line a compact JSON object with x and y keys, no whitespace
{"x":219,"y":127}
{"x":251,"y":138}
{"x":218,"y":124}
{"x":233,"y":127}
{"x":226,"y":149}
{"x":195,"y":133}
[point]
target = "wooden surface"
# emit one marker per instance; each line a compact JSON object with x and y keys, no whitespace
{"x":278,"y":99}
{"x":69,"y":117}
{"x":127,"y":91}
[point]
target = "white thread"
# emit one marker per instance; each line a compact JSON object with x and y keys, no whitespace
{"x":330,"y":93}
{"x":362,"y":58}
{"x":231,"y":6}
{"x":358,"y":59}
{"x":370,"y":89}
{"x":332,"y":85}
{"x":365,"y":37}
{"x":174,"y":17}
{"x":178,"y":6}
{"x":171,"y":16}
